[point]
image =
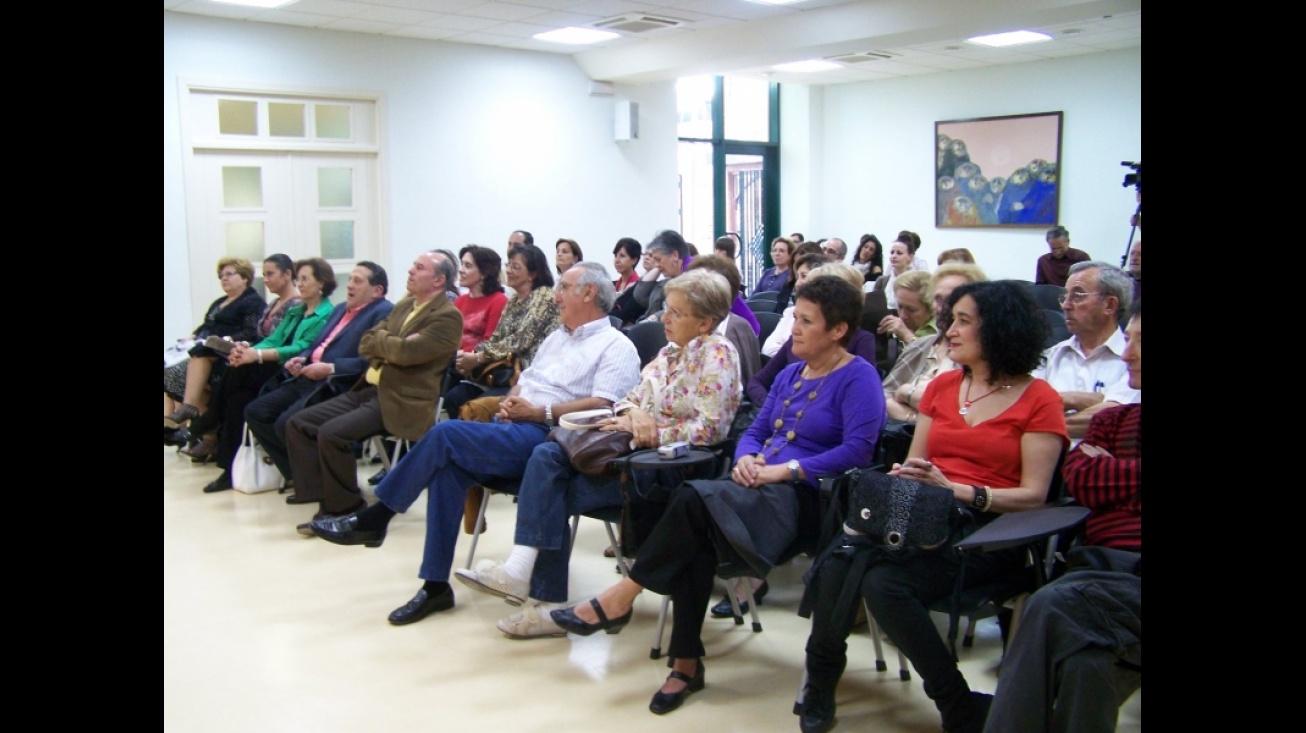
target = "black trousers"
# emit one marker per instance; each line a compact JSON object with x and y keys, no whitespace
{"x":898,"y":595}
{"x":678,"y":559}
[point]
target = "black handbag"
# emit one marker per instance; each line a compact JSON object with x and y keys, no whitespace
{"x":901,"y":514}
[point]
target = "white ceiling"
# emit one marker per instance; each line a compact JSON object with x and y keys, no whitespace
{"x":734,"y":36}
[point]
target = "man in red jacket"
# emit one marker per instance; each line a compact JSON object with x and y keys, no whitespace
{"x":1078,"y":654}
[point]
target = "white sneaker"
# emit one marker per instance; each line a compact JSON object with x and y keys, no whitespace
{"x":533,"y":622}
{"x":490,"y":577}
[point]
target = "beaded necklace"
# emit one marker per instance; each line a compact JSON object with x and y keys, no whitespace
{"x":802,"y":408}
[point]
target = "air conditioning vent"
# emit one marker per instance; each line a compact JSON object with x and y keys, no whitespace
{"x":857,"y":58}
{"x":637,"y":23}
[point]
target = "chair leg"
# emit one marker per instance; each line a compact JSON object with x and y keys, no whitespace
{"x":752,"y":604}
{"x":656,"y":651}
{"x":904,"y":673}
{"x":616,"y":550}
{"x":802,"y":693}
{"x":480,"y":525}
{"x":734,"y":603}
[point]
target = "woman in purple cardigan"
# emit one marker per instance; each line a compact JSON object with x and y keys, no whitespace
{"x":822,"y":418}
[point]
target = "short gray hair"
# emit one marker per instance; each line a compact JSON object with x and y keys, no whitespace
{"x":1111,"y":280}
{"x":592,"y":273}
{"x":707,"y":291}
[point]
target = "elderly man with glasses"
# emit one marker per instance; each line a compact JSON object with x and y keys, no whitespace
{"x":1087,"y":368}
{"x":835,"y":249}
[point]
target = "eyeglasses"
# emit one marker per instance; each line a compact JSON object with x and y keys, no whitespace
{"x":1075,"y":298}
{"x":228,"y":273}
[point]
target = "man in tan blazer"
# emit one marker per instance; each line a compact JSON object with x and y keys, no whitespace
{"x":407,"y":354}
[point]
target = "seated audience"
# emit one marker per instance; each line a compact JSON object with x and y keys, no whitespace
{"x":670,"y":257}
{"x":821,"y":418}
{"x":624,"y":258}
{"x":870,"y":259}
{"x":689,"y":392}
{"x":991,"y":434}
{"x":278,"y":280}
{"x":567,"y":253}
{"x":774,"y":278}
{"x":328,"y":366}
{"x":483,"y":303}
{"x":740,"y":331}
{"x":584,"y":365}
{"x":1053,"y":268}
{"x":250,"y":366}
{"x":862,"y":343}
{"x":1078,"y":652}
{"x":530,"y":316}
{"x":915,"y":313}
{"x":834,"y":249}
{"x":926,"y":357}
{"x":725,"y":247}
{"x":408,"y":354}
{"x":234,"y":316}
{"x":899,"y":263}
{"x":786,"y":297}
{"x":960,"y":254}
{"x":803,"y":267}
{"x":1087,"y":368}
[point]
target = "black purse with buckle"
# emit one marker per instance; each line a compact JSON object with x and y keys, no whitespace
{"x":901,"y":514}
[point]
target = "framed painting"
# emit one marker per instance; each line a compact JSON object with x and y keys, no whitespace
{"x":998,"y":171}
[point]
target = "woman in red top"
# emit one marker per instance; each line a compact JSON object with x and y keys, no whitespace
{"x":992,"y":434}
{"x":624,"y":258}
{"x":484,"y":301}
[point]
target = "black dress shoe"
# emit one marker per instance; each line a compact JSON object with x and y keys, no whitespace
{"x":421,"y":606}
{"x":293,"y":498}
{"x":375,"y":478}
{"x":818,"y":711}
{"x":723,"y":609}
{"x":344,"y":531}
{"x":221,"y":483}
{"x":567,"y":619}
{"x":324,"y":514}
{"x":664,"y":702}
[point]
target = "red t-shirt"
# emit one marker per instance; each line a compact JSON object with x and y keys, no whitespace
{"x":480,"y":317}
{"x":987,"y":454}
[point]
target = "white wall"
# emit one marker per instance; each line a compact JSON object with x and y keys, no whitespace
{"x":878,"y":162}
{"x":477,"y":141}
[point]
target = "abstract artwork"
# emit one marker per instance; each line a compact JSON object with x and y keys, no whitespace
{"x":998,"y":171}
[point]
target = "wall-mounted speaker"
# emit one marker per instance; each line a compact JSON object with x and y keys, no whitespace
{"x":626,"y":121}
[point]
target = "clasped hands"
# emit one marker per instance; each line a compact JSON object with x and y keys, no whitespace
{"x":516,"y":409}
{"x":751,"y":471}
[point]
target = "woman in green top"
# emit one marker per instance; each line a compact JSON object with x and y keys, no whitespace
{"x":250,"y":365}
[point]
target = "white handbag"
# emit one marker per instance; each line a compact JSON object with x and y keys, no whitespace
{"x":252,"y":471}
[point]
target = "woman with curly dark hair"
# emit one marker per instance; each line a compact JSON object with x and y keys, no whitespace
{"x":992,"y":434}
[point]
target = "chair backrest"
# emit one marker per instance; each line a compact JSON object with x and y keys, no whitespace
{"x":649,"y":337}
{"x":768,"y":320}
{"x":770,"y":295}
{"x":1057,"y":331}
{"x":616,"y":322}
{"x":874,"y":309}
{"x":1046,"y":296}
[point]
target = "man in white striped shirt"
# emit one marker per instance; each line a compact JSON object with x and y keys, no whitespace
{"x":583,"y":365}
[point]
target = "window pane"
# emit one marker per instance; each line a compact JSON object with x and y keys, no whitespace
{"x":245,"y":239}
{"x":285,"y":120}
{"x":332,"y":120}
{"x":743,"y":206}
{"x":747,"y":109}
{"x":335,"y":187}
{"x":237,"y":117}
{"x":694,"y":104}
{"x":696,"y":222}
{"x":242,"y":187}
{"x":337,"y":239}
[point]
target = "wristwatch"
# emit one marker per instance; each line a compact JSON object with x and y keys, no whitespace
{"x":548,"y":415}
{"x":793,"y":469}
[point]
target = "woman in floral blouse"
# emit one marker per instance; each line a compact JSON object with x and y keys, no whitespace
{"x":530,"y":316}
{"x":689,"y":392}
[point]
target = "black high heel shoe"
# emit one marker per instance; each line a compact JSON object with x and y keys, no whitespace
{"x":567,"y":619}
{"x":665,"y":702}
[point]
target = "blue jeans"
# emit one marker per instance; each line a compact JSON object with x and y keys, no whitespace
{"x":452,"y":456}
{"x":552,"y":492}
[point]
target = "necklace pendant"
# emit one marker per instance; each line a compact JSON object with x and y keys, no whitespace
{"x":790,"y":436}
{"x":964,"y":410}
